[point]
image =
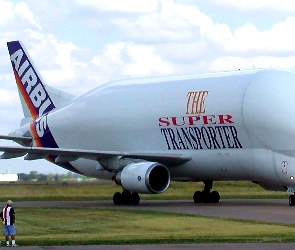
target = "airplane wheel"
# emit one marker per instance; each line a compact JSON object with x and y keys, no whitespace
{"x":197,"y":197}
{"x":292,"y":200}
{"x":206,"y":197}
{"x":117,"y":198}
{"x":214,"y":197}
{"x":126,"y":197}
{"x":134,"y":199}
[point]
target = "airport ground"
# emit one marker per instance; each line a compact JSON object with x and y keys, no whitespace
{"x":272,"y":211}
{"x":267,"y":211}
{"x":225,"y":246}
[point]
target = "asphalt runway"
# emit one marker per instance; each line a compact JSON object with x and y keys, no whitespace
{"x":270,"y":210}
{"x":267,"y":210}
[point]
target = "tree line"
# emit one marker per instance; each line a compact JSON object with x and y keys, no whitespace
{"x":35,"y":176}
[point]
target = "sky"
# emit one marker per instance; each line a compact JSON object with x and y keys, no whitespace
{"x":78,"y":45}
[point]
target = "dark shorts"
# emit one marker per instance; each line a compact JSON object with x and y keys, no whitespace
{"x":9,"y":230}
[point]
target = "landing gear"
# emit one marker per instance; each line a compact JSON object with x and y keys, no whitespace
{"x":206,"y":196}
{"x":126,"y":198}
{"x":292,"y":200}
{"x":215,"y":197}
{"x":117,"y":198}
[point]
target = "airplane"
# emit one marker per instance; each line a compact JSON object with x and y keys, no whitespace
{"x":143,"y":133}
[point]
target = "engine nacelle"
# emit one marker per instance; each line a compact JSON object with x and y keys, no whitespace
{"x":144,"y":177}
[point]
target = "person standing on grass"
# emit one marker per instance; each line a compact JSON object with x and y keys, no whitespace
{"x":8,"y":217}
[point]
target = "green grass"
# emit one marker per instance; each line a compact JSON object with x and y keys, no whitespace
{"x":231,"y":189}
{"x":89,"y":226}
{"x":71,"y":226}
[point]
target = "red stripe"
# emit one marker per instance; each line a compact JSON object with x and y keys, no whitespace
{"x":35,"y":135}
{"x":5,"y":215}
{"x":25,"y":95}
{"x":30,"y":106}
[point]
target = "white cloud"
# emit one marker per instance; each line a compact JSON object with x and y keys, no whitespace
{"x":145,"y":61}
{"x":113,"y":52}
{"x":127,"y":60}
{"x":8,"y":98}
{"x":55,"y":60}
{"x":63,"y":59}
{"x":128,"y":6}
{"x":186,"y":40}
{"x":172,"y":22}
{"x":249,"y":41}
{"x":24,"y":11}
{"x":285,"y":5}
{"x":6,"y":11}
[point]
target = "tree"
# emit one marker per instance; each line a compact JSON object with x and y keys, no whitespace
{"x":33,"y":175}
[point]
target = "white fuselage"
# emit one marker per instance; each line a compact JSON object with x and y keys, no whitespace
{"x":235,"y":126}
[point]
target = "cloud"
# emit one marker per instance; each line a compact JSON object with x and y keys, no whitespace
{"x":8,"y":98}
{"x":145,"y":61}
{"x":128,"y":6}
{"x":186,"y":40}
{"x":128,"y":60}
{"x":6,"y":12}
{"x":278,"y":5}
{"x":162,"y":37}
{"x":171,"y":22}
{"x":248,"y":41}
{"x":10,"y":11}
{"x":23,"y":10}
{"x":67,"y":65}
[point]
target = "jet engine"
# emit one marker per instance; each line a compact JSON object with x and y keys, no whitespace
{"x":144,"y":177}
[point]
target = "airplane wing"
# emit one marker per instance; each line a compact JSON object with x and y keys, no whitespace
{"x":65,"y":155}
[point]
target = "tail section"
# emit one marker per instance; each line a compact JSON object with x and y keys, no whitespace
{"x":29,"y":82}
{"x":37,"y":99}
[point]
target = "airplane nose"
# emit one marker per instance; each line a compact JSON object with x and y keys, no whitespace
{"x":268,"y":108}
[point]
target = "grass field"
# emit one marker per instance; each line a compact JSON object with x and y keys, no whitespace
{"x":71,"y":226}
{"x":106,"y":226}
{"x":176,"y":190}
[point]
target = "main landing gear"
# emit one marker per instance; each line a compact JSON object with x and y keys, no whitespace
{"x":206,"y":196}
{"x":292,"y":200}
{"x":126,"y":198}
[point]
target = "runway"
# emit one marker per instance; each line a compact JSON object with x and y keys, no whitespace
{"x":270,"y":210}
{"x":225,"y":246}
{"x":266,"y":210}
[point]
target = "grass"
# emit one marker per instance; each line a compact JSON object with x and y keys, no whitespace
{"x":89,"y":226}
{"x":231,"y":189}
{"x":71,"y":226}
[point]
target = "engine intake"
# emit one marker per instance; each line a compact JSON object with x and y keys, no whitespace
{"x":144,"y":178}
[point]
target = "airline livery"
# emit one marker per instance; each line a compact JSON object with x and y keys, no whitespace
{"x":143,"y":133}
